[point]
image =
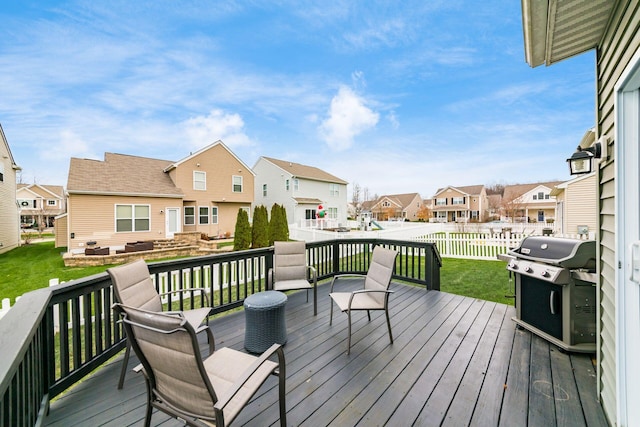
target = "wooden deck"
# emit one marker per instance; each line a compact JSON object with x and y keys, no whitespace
{"x":456,"y":361}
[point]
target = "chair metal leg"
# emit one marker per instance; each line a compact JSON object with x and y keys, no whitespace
{"x":125,"y":362}
{"x":349,"y":341}
{"x":281,"y":387}
{"x":331,"y":316}
{"x":386,"y":311}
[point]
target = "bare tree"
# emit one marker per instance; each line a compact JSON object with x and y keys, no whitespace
{"x":355,"y":199}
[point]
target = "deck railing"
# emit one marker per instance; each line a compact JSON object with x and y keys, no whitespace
{"x":53,"y":337}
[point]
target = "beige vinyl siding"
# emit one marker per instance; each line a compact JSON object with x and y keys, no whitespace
{"x":581,"y":205}
{"x":9,"y":225}
{"x":61,"y":229}
{"x":220,"y":166}
{"x":619,"y":44}
{"x":93,"y":219}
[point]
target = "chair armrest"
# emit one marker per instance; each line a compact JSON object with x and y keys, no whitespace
{"x":313,"y":274}
{"x":275,"y":348}
{"x":342,"y":276}
{"x":369,"y":291}
{"x":203,"y":292}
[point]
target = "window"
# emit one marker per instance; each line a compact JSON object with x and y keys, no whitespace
{"x":52,"y":202}
{"x":296,"y":184}
{"x":332,"y":213}
{"x":457,"y":200}
{"x":535,"y":197}
{"x":386,"y":204}
{"x":546,"y":197}
{"x":441,"y":202}
{"x":286,"y":185}
{"x":475,"y":215}
{"x":334,"y":190}
{"x":203,"y":215}
{"x":189,"y":215}
{"x":237,"y":184}
{"x":133,"y":218}
{"x":264,"y":190}
{"x":214,"y":214}
{"x":199,"y":180}
{"x":1,"y":172}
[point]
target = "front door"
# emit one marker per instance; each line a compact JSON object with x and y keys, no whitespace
{"x":172,"y":222}
{"x":627,"y":232}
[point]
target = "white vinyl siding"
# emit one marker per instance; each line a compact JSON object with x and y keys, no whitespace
{"x":615,"y":51}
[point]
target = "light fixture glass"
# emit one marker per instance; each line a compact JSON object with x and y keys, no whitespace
{"x":580,"y":162}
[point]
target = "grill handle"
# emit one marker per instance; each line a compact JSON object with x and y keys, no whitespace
{"x":552,"y":302}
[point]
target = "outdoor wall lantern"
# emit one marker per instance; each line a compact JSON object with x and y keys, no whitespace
{"x":580,"y":162}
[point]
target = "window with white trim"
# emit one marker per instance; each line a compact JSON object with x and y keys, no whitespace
{"x":237,"y":184}
{"x":52,"y":202}
{"x":332,"y":213}
{"x":189,"y":215}
{"x":264,"y":190}
{"x":296,"y":184}
{"x":334,"y":190}
{"x":133,"y":218}
{"x":199,"y":180}
{"x":203,"y":215}
{"x":214,"y":214}
{"x":457,"y":200}
{"x":286,"y":185}
{"x":441,"y":201}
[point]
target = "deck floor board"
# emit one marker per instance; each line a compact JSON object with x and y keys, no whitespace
{"x":454,"y":361}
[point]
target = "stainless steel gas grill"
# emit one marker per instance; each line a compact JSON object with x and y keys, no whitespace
{"x":555,"y":290}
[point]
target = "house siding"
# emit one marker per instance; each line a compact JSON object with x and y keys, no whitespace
{"x":10,"y":223}
{"x":580,"y":205}
{"x":618,"y":46}
{"x":92,"y":218}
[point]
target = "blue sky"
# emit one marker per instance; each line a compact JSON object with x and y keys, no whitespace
{"x":399,"y":97}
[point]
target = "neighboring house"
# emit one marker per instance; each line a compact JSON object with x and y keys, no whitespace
{"x":576,"y":205}
{"x":529,"y":202}
{"x":9,"y":217}
{"x":397,"y":206}
{"x":555,"y":31}
{"x":128,"y":198}
{"x":301,"y":189}
{"x":40,"y":204}
{"x":460,"y":204}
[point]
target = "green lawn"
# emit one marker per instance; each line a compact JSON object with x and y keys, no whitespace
{"x":30,"y":267}
{"x":487,"y":280}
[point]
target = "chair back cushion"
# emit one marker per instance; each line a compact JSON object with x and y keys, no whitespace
{"x":133,"y":287}
{"x":290,"y":261}
{"x":170,"y":349}
{"x":380,"y":271}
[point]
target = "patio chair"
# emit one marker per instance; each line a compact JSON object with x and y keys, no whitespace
{"x":180,"y":382}
{"x":290,"y":270}
{"x":132,"y":286}
{"x":375,"y":292}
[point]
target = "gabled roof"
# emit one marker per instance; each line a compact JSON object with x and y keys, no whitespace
{"x":512,"y":192}
{"x":558,"y":29}
{"x":121,"y":174}
{"x":4,"y":140}
{"x":401,"y":200}
{"x":469,"y":190}
{"x":202,"y":150}
{"x":54,"y":190}
{"x":303,"y":171}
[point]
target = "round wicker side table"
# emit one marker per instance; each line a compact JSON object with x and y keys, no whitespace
{"x":264,"y":321}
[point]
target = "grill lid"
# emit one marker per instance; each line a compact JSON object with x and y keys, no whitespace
{"x":563,"y":252}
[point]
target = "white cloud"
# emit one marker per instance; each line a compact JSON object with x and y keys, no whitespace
{"x":217,"y":125}
{"x":348,"y":117}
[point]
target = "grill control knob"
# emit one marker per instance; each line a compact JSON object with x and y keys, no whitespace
{"x":513,"y":265}
{"x":528,"y":269}
{"x":545,"y":274}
